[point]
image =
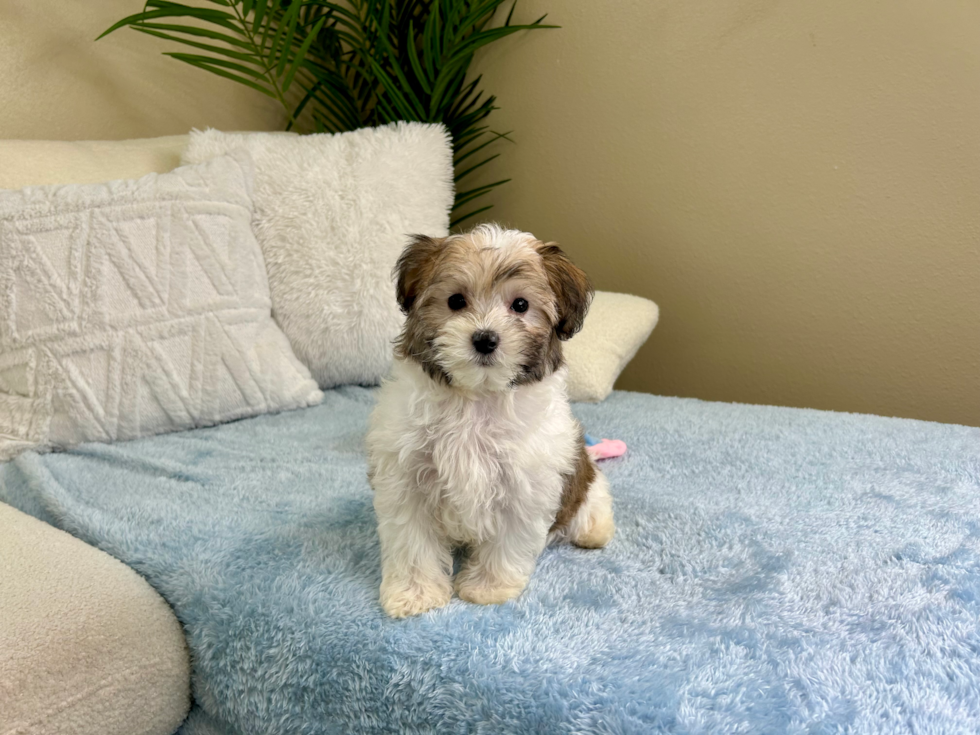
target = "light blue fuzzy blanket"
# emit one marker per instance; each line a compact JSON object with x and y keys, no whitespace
{"x":774,"y":571}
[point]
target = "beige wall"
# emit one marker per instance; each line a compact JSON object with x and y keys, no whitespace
{"x":796,"y":184}
{"x":58,"y":83}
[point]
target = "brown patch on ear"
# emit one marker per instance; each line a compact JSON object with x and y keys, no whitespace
{"x":572,"y":289}
{"x":576,"y":487}
{"x":413,"y":273}
{"x":415,"y":267}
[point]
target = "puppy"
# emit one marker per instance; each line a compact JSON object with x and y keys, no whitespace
{"x":472,"y":442}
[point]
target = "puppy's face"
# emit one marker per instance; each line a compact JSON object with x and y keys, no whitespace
{"x":487,"y":310}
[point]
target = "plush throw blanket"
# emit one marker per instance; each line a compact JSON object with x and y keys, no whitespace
{"x":774,"y":571}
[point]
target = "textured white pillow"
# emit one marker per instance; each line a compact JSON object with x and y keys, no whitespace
{"x":333,"y":212}
{"x":137,"y":307}
{"x":616,"y":326}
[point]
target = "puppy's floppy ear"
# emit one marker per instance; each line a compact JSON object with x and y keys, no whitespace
{"x":415,"y":267}
{"x":573,"y":291}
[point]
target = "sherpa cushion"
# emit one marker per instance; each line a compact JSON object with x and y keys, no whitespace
{"x":86,"y":645}
{"x":616,"y":326}
{"x":333,"y":214}
{"x":137,"y":307}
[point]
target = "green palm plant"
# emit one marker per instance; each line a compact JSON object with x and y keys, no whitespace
{"x":336,"y":66}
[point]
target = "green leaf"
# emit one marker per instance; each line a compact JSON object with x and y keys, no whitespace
{"x":261,"y":6}
{"x":333,"y":93}
{"x":346,"y":15}
{"x":247,"y":58}
{"x":413,"y":58}
{"x":463,"y":139}
{"x":211,"y":61}
{"x":197,"y":32}
{"x":268,"y":25}
{"x":469,"y":214}
{"x":461,"y":125}
{"x":217,"y":17}
{"x":430,"y":40}
{"x":329,"y":91}
{"x":511,"y":13}
{"x":496,"y":136}
{"x":462,"y":197}
{"x":389,"y":114}
{"x":451,"y":73}
{"x":289,"y":22}
{"x":202,"y":63}
{"x":478,"y":40}
{"x":300,"y":55}
{"x":474,"y":167}
{"x":466,"y":94}
{"x":326,"y":107}
{"x":398,"y":99}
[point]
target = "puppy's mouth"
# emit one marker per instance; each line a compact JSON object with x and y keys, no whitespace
{"x":486,"y":360}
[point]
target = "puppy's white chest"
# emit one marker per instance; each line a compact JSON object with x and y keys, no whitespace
{"x":476,"y":465}
{"x":476,"y":472}
{"x":487,"y":464}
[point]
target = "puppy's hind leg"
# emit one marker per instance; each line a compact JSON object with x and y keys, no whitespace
{"x":592,"y":527}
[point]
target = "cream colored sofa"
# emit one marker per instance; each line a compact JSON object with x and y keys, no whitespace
{"x":86,"y":645}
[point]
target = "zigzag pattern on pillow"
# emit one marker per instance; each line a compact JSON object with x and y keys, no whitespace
{"x":137,"y":307}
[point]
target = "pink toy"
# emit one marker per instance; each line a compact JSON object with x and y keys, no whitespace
{"x":606,"y":449}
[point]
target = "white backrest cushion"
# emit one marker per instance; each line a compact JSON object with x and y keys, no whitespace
{"x":43,"y":162}
{"x":333,"y":212}
{"x":136,"y":307}
{"x":616,"y":326}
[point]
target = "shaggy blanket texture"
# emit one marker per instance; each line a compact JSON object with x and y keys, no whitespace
{"x":775,"y":571}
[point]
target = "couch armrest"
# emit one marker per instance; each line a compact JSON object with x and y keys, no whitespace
{"x":86,"y":645}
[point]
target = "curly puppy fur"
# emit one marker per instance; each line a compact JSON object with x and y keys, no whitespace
{"x":472,"y":444}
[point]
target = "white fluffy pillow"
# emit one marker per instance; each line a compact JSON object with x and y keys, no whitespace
{"x":333,"y":213}
{"x":137,"y":307}
{"x":616,"y":326}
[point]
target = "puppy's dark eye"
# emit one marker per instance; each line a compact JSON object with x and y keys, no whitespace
{"x":457,"y":301}
{"x":519,"y":305}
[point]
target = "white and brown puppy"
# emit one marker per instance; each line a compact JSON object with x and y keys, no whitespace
{"x":472,"y":443}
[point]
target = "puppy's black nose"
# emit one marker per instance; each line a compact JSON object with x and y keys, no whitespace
{"x":485,"y":342}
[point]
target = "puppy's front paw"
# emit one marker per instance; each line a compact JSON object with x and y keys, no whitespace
{"x":402,"y":601}
{"x":488,"y":593}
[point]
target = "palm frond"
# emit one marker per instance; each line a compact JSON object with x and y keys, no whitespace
{"x":336,"y":65}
